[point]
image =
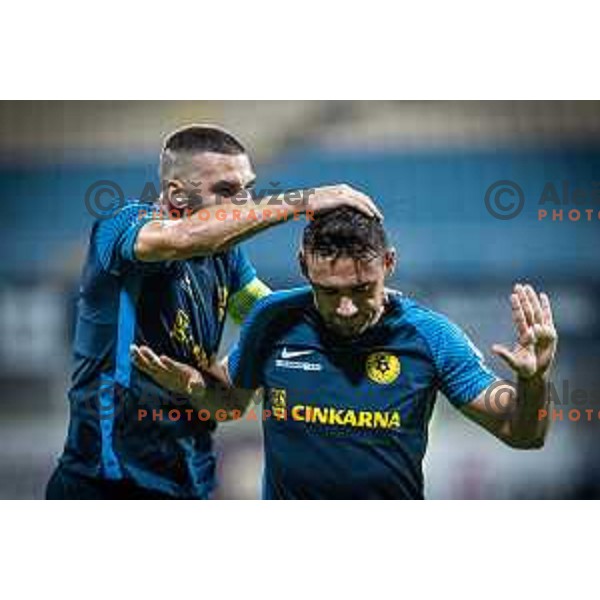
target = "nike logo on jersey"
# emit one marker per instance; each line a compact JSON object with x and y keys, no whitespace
{"x":286,"y":354}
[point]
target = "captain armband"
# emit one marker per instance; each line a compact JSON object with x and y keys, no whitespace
{"x":241,"y":302}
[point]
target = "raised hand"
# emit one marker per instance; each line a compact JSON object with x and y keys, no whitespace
{"x":537,"y":339}
{"x":331,"y":197}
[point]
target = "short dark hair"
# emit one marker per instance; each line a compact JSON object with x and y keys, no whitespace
{"x":191,"y":139}
{"x":345,"y":232}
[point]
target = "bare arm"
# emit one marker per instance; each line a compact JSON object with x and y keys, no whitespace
{"x":518,"y":414}
{"x":225,"y":225}
{"x":211,"y":390}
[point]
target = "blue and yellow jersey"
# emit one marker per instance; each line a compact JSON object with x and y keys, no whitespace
{"x":178,"y":308}
{"x":349,"y":419}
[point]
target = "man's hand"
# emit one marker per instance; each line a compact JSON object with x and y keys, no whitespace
{"x":168,"y":373}
{"x":334,"y":196}
{"x":518,"y":414}
{"x":187,"y":238}
{"x":184,"y":380}
{"x":537,"y":339}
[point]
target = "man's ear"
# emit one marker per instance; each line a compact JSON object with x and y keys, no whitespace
{"x":176,"y":196}
{"x":389,"y":261}
{"x":302,"y":263}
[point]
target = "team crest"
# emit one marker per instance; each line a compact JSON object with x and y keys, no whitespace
{"x":383,"y":367}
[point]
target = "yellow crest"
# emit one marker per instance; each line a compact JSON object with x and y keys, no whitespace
{"x":383,"y":367}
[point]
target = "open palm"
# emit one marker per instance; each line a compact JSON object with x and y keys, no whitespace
{"x":535,"y":348}
{"x":168,"y":373}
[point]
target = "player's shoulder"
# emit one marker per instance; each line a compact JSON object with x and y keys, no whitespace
{"x":118,"y":228}
{"x":128,"y":209}
{"x":273,"y":314}
{"x":122,"y":217}
{"x":281,"y":304}
{"x":427,"y":322}
{"x":443,"y":337}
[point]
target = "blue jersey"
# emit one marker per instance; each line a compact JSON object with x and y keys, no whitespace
{"x":177,"y":308}
{"x":349,"y":419}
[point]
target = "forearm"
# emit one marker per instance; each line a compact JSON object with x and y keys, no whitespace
{"x":529,"y":419}
{"x":215,"y":229}
{"x":222,"y":401}
{"x":229,"y":225}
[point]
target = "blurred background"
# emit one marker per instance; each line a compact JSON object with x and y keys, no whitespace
{"x":428,"y":164}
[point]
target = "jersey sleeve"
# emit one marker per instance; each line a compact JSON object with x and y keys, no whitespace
{"x":246,"y":360}
{"x":460,"y":367}
{"x":246,"y":287}
{"x":114,"y":238}
{"x":242,"y":270}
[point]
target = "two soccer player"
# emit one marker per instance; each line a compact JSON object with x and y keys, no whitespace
{"x":350,"y":371}
{"x":167,"y":284}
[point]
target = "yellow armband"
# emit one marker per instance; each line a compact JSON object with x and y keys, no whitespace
{"x":241,"y":303}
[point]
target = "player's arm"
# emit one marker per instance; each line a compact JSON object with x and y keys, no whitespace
{"x":230,"y":386}
{"x":211,"y":389}
{"x":184,"y":238}
{"x":518,"y":413}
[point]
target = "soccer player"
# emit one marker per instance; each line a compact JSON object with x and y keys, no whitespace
{"x":168,"y":283}
{"x":351,"y":370}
